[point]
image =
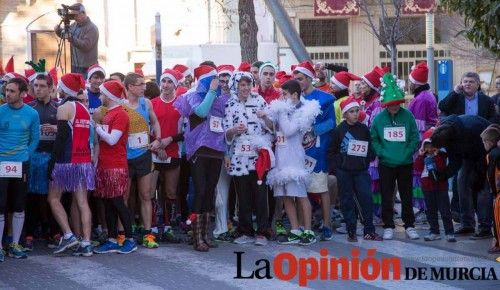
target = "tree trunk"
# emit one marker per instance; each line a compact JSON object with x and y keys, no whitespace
{"x":248,"y":30}
{"x":394,"y":59}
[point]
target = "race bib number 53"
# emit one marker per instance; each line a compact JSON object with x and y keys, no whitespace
{"x":11,"y":169}
{"x":395,"y":134}
{"x":244,"y":149}
{"x":138,"y":140}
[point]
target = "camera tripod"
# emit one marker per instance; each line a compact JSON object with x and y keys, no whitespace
{"x":61,"y":47}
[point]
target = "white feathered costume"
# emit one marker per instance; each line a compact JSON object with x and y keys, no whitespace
{"x":289,"y":177}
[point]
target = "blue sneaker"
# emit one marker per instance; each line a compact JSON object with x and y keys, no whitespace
{"x":326,"y":234}
{"x":16,"y":251}
{"x":128,"y":247}
{"x":2,"y":255}
{"x":85,"y":251}
{"x":64,"y":244}
{"x":107,"y":247}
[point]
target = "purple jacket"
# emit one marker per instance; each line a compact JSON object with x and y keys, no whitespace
{"x":201,"y":135}
{"x":424,"y":109}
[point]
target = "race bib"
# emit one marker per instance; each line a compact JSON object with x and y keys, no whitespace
{"x":11,"y":169}
{"x":395,"y":134}
{"x":310,"y":163}
{"x":138,"y":140}
{"x":244,"y":149}
{"x":357,"y":148}
{"x":105,"y":128}
{"x":280,"y":139}
{"x":425,"y":173}
{"x":216,"y":124}
{"x":158,"y":160}
{"x":47,"y":136}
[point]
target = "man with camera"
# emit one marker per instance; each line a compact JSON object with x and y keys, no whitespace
{"x":82,"y":34}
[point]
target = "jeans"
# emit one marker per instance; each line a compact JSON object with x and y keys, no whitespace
{"x":472,"y":202}
{"x":356,"y":184}
{"x":388,"y":176}
{"x":249,"y":192}
{"x":438,"y":200}
{"x":205,"y":172}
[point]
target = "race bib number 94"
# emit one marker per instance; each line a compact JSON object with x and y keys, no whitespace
{"x":395,"y":134}
{"x":358,"y":148}
{"x":138,"y":140}
{"x":11,"y":169}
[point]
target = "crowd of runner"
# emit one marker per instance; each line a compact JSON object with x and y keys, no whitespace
{"x":99,"y":165}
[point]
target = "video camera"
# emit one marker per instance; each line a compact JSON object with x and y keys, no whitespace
{"x":65,"y":14}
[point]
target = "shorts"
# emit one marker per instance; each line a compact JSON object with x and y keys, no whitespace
{"x":38,"y":180}
{"x":140,"y":166}
{"x":291,"y":189}
{"x":14,"y":191}
{"x":111,"y":182}
{"x":74,"y":177}
{"x":318,"y":182}
{"x":174,"y":163}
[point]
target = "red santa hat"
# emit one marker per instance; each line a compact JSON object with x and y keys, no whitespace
{"x":292,"y":67}
{"x":419,"y":74}
{"x":348,"y":104}
{"x":426,"y":137}
{"x":72,"y":83}
{"x":343,"y":79}
{"x":30,"y":74}
{"x":280,"y":74}
{"x":53,"y":75}
{"x":184,"y":70}
{"x":172,"y":75}
{"x":204,"y":71}
{"x":93,"y":69}
{"x":12,"y":75}
{"x":244,"y":66}
{"x":139,"y":72}
{"x":372,"y":78}
{"x":181,"y":90}
{"x":306,"y":68}
{"x":114,"y":90}
{"x":9,"y":67}
{"x":225,"y":69}
{"x":363,"y":117}
{"x":264,"y":162}
{"x":284,"y":79}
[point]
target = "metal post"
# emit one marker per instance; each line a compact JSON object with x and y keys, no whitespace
{"x":158,"y":47}
{"x":287,"y":29}
{"x":429,"y":44}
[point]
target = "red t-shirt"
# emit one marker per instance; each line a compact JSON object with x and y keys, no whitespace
{"x":170,"y":123}
{"x":115,"y":156}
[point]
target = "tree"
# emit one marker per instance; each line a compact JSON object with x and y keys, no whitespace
{"x":248,"y":30}
{"x":389,"y":32}
{"x":481,"y":19}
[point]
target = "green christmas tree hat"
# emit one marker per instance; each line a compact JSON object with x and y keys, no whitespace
{"x":391,"y":93}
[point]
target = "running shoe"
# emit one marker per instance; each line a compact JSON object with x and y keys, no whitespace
{"x":64,"y":244}
{"x":351,"y":237}
{"x":261,"y":240}
{"x":373,"y":237}
{"x":224,"y":237}
{"x":307,"y":238}
{"x":149,"y":241}
{"x":2,"y":255}
{"x":128,"y":247}
{"x":170,"y":237}
{"x":244,"y":239}
{"x":16,"y":251}
{"x":280,"y":229}
{"x":28,"y":244}
{"x":292,"y":238}
{"x":120,"y":239}
{"x":326,"y":234}
{"x":85,"y":251}
{"x":107,"y":247}
{"x":432,"y":237}
{"x":53,"y":241}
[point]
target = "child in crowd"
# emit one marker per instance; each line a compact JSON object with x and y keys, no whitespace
{"x":350,"y":155}
{"x":432,"y":163}
{"x":490,"y":137}
{"x":292,"y":118}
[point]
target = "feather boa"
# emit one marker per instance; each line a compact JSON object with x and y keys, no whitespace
{"x":286,"y":175}
{"x":304,"y":116}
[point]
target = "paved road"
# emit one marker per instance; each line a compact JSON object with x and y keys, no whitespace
{"x":179,"y":267}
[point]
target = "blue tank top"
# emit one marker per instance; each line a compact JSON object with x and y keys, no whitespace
{"x":142,"y":109}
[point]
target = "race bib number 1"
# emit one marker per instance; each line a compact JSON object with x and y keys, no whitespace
{"x":11,"y":169}
{"x":216,"y":124}
{"x":395,"y":134}
{"x":310,"y":163}
{"x":358,"y":148}
{"x":138,"y":140}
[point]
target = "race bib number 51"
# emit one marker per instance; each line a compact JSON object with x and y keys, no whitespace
{"x":138,"y":140}
{"x":395,"y":134}
{"x":357,"y":148}
{"x":11,"y":169}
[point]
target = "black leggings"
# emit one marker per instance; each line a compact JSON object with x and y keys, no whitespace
{"x":115,"y":207}
{"x":183,"y":187}
{"x":205,"y":172}
{"x":38,"y":212}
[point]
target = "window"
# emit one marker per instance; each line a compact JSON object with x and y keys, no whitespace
{"x":324,"y":32}
{"x":413,"y":30}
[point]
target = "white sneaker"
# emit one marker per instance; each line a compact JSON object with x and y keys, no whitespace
{"x":412,"y":234}
{"x":388,"y":234}
{"x":432,"y":237}
{"x":244,"y":239}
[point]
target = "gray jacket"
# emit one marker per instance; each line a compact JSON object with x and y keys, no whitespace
{"x":83,"y":39}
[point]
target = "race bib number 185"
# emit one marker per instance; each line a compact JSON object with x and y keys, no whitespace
{"x":395,"y":134}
